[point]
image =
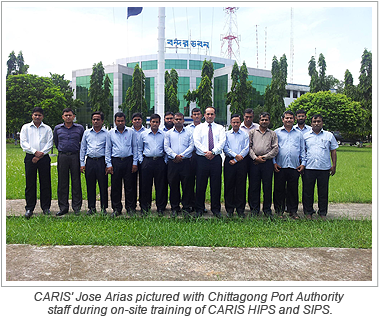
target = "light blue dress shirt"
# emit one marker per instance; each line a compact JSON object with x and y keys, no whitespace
{"x":142,"y":129}
{"x":179,"y":143}
{"x":121,"y":145}
{"x":236,"y":143}
{"x":93,"y":144}
{"x":150,"y":144}
{"x":318,"y":147}
{"x":291,"y":148}
{"x":305,"y":129}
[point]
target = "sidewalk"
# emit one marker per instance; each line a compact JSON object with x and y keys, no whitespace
{"x":127,"y":263}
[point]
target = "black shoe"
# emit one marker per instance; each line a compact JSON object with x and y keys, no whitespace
{"x":28,"y":214}
{"x":173,"y":214}
{"x":254,"y":213}
{"x":204,"y":210}
{"x":77,"y":212}
{"x":103,"y":211}
{"x":160,"y":213}
{"x":198,"y":214}
{"x":91,"y":211}
{"x":115,"y":214}
{"x":61,"y":213}
{"x":217,"y":215}
{"x":241,"y":214}
{"x":230,"y":214}
{"x":46,"y":211}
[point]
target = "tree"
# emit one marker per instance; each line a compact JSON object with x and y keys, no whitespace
{"x":135,"y":97}
{"x":99,"y":91}
{"x":24,"y":92}
{"x":349,"y":88}
{"x":203,"y":94}
{"x":339,"y":112}
{"x":64,"y":85}
{"x":171,"y":91}
{"x":365,"y":86}
{"x":318,"y":79}
{"x":239,"y":96}
{"x":276,"y":91}
{"x":16,"y":65}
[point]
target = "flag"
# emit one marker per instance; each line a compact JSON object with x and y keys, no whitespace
{"x":133,"y":11}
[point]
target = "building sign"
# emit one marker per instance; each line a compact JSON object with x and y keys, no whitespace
{"x":187,"y":43}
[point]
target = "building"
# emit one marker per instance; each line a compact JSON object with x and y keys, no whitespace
{"x":188,"y":67}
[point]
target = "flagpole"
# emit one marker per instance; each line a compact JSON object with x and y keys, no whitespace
{"x":160,"y":108}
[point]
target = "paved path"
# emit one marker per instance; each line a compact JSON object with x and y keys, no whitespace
{"x":124,"y":263}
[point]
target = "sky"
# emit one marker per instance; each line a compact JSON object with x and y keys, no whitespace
{"x":62,"y":37}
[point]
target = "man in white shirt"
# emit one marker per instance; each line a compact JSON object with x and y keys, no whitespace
{"x":36,"y":139}
{"x":209,"y":141}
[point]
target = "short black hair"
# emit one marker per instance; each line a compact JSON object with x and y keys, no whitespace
{"x":318,"y":115}
{"x":179,"y":114}
{"x":235,"y":115}
{"x":98,"y":112}
{"x":248,"y":110}
{"x":119,"y":115}
{"x":168,"y":113}
{"x":287,"y":112}
{"x":137,"y":115}
{"x":68,"y":110}
{"x":264,"y":114}
{"x":155,"y":116}
{"x":195,"y":110}
{"x":301,"y":111}
{"x":38,"y":109}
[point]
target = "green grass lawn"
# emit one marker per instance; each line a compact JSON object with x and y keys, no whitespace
{"x":155,"y":231}
{"x":351,"y":183}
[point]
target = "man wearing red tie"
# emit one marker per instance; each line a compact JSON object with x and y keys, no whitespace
{"x":209,"y":141}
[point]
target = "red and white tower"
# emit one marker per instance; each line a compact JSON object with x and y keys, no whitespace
{"x":231,"y":36}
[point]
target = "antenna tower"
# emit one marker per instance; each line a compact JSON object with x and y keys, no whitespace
{"x":231,"y":36}
{"x":291,"y":45}
{"x":265,"y":61}
{"x":257,"y":47}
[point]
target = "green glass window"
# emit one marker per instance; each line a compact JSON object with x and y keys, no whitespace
{"x":149,"y":65}
{"x":220,"y":91}
{"x":132,"y":64}
{"x":195,"y":65}
{"x":218,"y":65}
{"x":175,"y":64}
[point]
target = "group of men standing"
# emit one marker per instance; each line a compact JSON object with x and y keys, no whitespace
{"x":184,"y":158}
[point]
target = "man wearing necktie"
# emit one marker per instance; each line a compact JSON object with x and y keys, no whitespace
{"x":209,"y":141}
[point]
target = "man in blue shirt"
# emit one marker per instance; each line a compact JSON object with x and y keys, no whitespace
{"x":67,"y":138}
{"x":320,"y":149}
{"x":288,"y":164}
{"x":235,"y":168}
{"x":179,"y":146}
{"x":137,"y":120}
{"x":93,"y":147}
{"x":121,"y":162}
{"x":153,"y":166}
{"x":301,"y":119}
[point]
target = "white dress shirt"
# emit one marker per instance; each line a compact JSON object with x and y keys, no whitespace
{"x":200,"y":136}
{"x":34,"y":139}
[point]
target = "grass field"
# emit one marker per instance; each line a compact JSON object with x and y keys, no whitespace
{"x":351,"y":183}
{"x":155,"y":231}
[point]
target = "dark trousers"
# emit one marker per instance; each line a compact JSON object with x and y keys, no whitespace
{"x":285,"y":193}
{"x":136,"y":176}
{"x":96,"y":172}
{"x":122,"y":173}
{"x":208,"y":169}
{"x":153,"y":170}
{"x":43,"y":168}
{"x":193,"y":168}
{"x":309,"y":179}
{"x":180,"y":174}
{"x":69,"y":165}
{"x":235,"y":182}
{"x":262,"y":172}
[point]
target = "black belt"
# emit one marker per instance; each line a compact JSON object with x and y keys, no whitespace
{"x":68,"y":153}
{"x":122,"y":158}
{"x":153,"y":158}
{"x":98,"y":158}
